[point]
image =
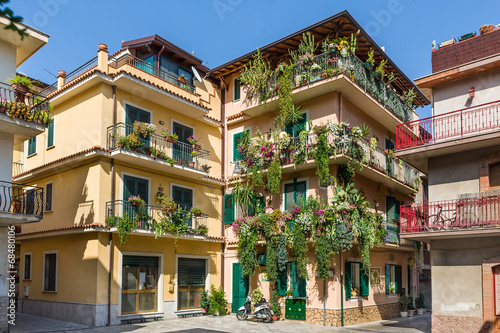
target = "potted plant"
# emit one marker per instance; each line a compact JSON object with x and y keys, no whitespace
{"x":370,"y":62}
{"x":182,"y":79}
{"x":420,"y":303}
{"x":195,"y":142}
{"x":143,"y":129}
{"x":21,"y":85}
{"x":205,"y":301}
{"x":202,"y":229}
{"x":195,"y":211}
{"x":171,"y":137}
{"x":218,"y":303}
{"x":411,"y":307}
{"x":380,"y":71}
{"x":275,"y":306}
{"x":289,"y":292}
{"x":403,"y":302}
{"x":136,"y":201}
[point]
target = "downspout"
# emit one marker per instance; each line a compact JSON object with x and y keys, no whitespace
{"x":324,"y":302}
{"x":113,"y":180}
{"x":223,"y":174}
{"x":340,"y":107}
{"x":158,"y":57}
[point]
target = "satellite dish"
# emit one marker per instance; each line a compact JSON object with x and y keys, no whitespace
{"x":196,"y":74}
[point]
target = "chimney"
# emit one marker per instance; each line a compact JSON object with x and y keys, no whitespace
{"x":61,"y":79}
{"x":102,"y":58}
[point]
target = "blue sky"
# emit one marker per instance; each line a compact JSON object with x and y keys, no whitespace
{"x":221,"y":30}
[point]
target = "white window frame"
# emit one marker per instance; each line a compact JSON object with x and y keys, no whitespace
{"x":30,"y":268}
{"x":124,"y":113}
{"x":56,"y":252}
{"x":160,"y":278}
{"x":52,"y":197}
{"x":190,"y":256}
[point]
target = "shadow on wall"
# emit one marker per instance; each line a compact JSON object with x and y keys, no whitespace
{"x":85,"y":210}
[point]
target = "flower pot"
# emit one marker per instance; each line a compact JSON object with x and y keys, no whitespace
{"x":20,"y":92}
{"x":171,"y":140}
{"x":403,"y":314}
{"x":204,"y":310}
{"x":196,"y":146}
{"x":411,"y":313}
{"x":421,"y":311}
{"x":276,"y":317}
{"x":368,"y":65}
{"x":182,"y":80}
{"x":191,"y":164}
{"x":135,"y":204}
{"x":3,"y":109}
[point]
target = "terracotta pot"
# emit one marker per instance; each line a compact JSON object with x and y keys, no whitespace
{"x":191,"y":164}
{"x":204,"y":310}
{"x":276,"y":317}
{"x":182,"y":80}
{"x":20,"y":92}
{"x":196,"y":147}
{"x":171,"y":140}
{"x":197,"y":215}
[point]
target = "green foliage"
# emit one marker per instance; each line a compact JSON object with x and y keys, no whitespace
{"x":247,"y":252}
{"x":370,"y":59}
{"x":321,"y":155}
{"x":218,"y":302}
{"x":307,"y":45}
{"x":124,"y":226}
{"x":403,"y":303}
{"x":420,"y":301}
{"x":285,"y":87}
{"x":9,"y":14}
{"x":416,"y":251}
{"x":257,"y":295}
{"x":300,"y":250}
{"x":274,"y":177}
{"x":381,"y":68}
{"x":272,"y":258}
{"x":282,"y":254}
{"x":409,"y":96}
{"x":256,"y":75}
{"x":20,"y":80}
{"x":275,"y":304}
{"x":205,"y":300}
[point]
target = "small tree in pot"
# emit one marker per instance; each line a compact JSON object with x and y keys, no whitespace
{"x":403,"y":302}
{"x":420,"y":303}
{"x":205,"y":301}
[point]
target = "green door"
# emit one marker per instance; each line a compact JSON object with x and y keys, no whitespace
{"x":240,"y":288}
{"x":182,"y":149}
{"x":133,"y":114}
{"x":184,"y":198}
{"x":392,"y":218}
{"x":134,"y":186}
{"x":295,"y":129}
{"x":294,"y":194}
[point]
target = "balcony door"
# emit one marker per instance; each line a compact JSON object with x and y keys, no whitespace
{"x":133,"y":114}
{"x":390,"y":163}
{"x":184,"y":198}
{"x":392,"y":218}
{"x":134,"y":186}
{"x":182,"y":149}
{"x":294,"y":129}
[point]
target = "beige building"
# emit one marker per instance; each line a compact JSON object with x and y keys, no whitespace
{"x":331,"y":86}
{"x":119,"y":241}
{"x":458,"y":148}
{"x":21,"y":117}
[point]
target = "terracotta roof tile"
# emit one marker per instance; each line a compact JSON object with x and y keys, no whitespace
{"x":212,"y":119}
{"x":236,"y":116}
{"x":83,"y":152}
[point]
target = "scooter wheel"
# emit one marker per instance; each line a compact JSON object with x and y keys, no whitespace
{"x":268,"y":317}
{"x":241,"y":315}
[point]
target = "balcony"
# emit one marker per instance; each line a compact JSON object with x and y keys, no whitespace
{"x":20,"y":203}
{"x":17,"y":168}
{"x":378,"y":166}
{"x":460,"y":130}
{"x":465,"y":217}
{"x":330,"y":72}
{"x":128,"y":59}
{"x":23,"y":114}
{"x":156,"y":152}
{"x":145,"y":219}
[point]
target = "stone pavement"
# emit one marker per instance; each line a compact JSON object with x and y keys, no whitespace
{"x":210,"y":324}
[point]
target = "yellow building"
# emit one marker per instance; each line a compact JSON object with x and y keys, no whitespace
{"x":110,"y":249}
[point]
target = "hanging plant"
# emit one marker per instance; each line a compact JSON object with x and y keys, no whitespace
{"x":244,"y":195}
{"x":321,"y":155}
{"x":274,"y":177}
{"x":256,"y":76}
{"x":272,"y":258}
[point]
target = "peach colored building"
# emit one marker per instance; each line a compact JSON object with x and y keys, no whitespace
{"x":347,"y":94}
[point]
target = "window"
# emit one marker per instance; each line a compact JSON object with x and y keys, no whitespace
{"x":50,"y":134}
{"x":192,"y":274}
{"x":139,"y":284}
{"x":392,"y":279}
{"x":182,"y":149}
{"x":294,"y":193}
{"x":237,"y":90}
{"x":228,"y":209}
{"x":50,"y":272}
{"x":48,"y":196}
{"x":236,"y":143}
{"x":135,"y":186}
{"x":295,"y":129}
{"x":32,"y":146}
{"x":27,"y":267}
{"x":184,"y":198}
{"x":133,"y":114}
{"x":356,"y":280}
{"x":392,"y":210}
{"x":289,"y":279}
{"x":391,"y":165}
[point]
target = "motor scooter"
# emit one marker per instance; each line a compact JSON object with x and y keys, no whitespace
{"x":262,"y":310}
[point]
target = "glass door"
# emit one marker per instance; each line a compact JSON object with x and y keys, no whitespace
{"x":139,"y":284}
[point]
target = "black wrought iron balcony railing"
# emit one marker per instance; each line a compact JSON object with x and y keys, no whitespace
{"x":151,"y":69}
{"x":146,"y":217}
{"x":21,"y":199}
{"x":330,"y":63}
{"x":159,"y":148}
{"x":22,"y":104}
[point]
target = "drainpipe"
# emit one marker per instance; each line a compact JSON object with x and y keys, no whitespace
{"x":324,"y":302}
{"x":158,"y":57}
{"x":113,"y":180}
{"x":223,"y":174}
{"x":114,"y":105}
{"x":340,"y":107}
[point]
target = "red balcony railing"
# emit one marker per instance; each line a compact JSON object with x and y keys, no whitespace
{"x":453,"y":125}
{"x":467,"y":213}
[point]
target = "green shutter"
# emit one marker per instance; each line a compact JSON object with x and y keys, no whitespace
{"x":282,"y":283}
{"x":50,"y":135}
{"x":387,"y":278}
{"x":258,"y":204}
{"x":365,"y":285}
{"x":298,"y":283}
{"x":347,"y":280}
{"x":32,"y":146}
{"x":228,"y":209}
{"x":237,"y":92}
{"x":236,"y":143}
{"x":398,"y":280}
